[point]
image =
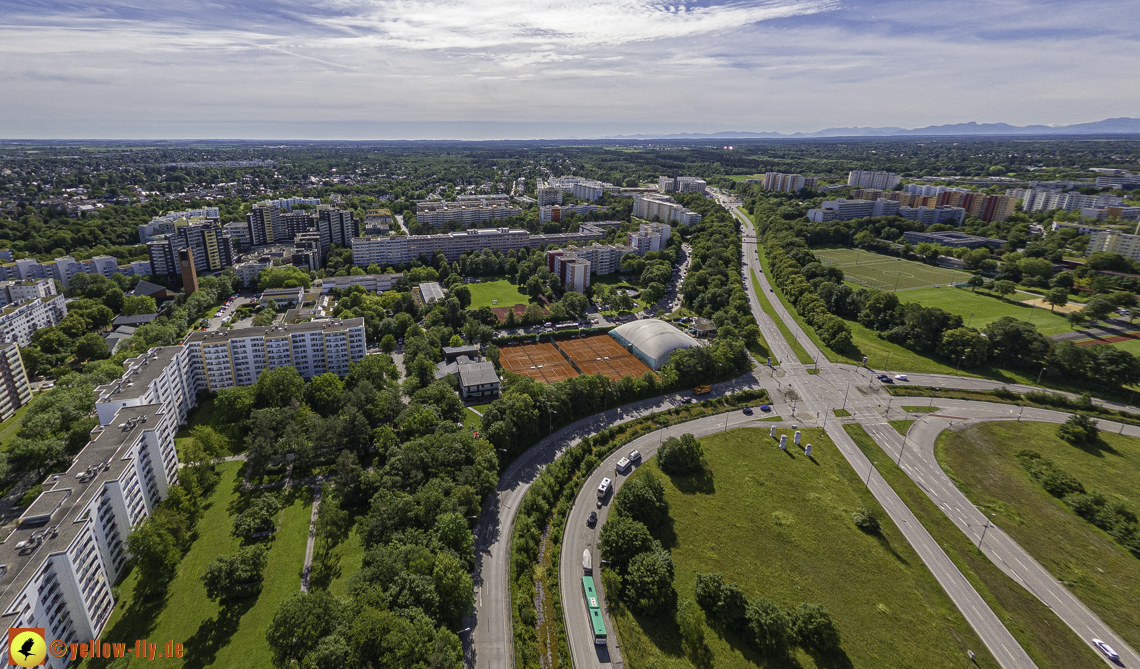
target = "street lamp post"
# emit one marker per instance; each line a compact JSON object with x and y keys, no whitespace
{"x":887,"y":364}
{"x":845,"y":397}
{"x":987,"y":527}
{"x":1019,"y":413}
{"x":959,"y":365}
{"x":1039,"y":375}
{"x":901,"y":451}
{"x":869,"y":472}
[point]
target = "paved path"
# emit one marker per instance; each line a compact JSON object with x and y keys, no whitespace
{"x":312,"y":541}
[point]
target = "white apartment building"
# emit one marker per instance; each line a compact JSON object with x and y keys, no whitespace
{"x":249,"y":270}
{"x":18,"y":322}
{"x":14,"y":389}
{"x":60,"y":269}
{"x":847,"y":210}
{"x":649,"y":237}
{"x":664,"y":208}
{"x":1113,"y":241}
{"x":375,"y":283}
{"x":393,"y":250}
{"x":230,"y":358}
{"x":571,"y":267}
{"x":16,"y":292}
{"x":69,"y":547}
{"x":791,"y":183}
{"x":167,"y":223}
{"x":163,"y":375}
{"x":547,"y":195}
{"x":604,"y":258}
{"x":466,"y":211}
{"x":873,"y":179}
{"x":1046,"y":200}
{"x":681,"y":185}
{"x":282,"y":297}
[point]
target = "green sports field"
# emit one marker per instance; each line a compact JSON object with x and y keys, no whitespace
{"x":506,"y":293}
{"x":888,"y":273}
{"x":985,"y":308}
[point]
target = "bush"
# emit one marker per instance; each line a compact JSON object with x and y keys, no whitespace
{"x":681,"y":456}
{"x":769,"y":626}
{"x":643,"y":499}
{"x":648,"y":582}
{"x":866,"y":521}
{"x":1079,"y":430}
{"x":815,"y":630}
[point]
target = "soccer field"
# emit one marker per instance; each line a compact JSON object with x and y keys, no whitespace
{"x":888,"y":273}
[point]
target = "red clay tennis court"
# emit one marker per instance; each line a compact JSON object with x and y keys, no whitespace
{"x":601,"y":354}
{"x":541,"y":362}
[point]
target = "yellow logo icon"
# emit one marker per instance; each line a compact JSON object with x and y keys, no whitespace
{"x":26,"y":646}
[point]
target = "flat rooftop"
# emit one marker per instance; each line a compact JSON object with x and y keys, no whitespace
{"x":333,"y":325}
{"x":139,"y":373}
{"x":52,"y":522}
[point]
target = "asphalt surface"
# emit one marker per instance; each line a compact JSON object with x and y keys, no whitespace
{"x":806,"y":399}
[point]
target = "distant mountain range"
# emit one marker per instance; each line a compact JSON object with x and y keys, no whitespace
{"x":1111,"y":126}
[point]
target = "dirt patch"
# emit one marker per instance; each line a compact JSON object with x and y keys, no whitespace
{"x":1068,"y":308}
{"x":1114,"y":339}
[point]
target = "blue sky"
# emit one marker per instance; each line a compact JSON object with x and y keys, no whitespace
{"x":484,"y":69}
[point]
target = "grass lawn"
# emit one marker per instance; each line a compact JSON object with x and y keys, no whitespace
{"x":1043,"y":635}
{"x":471,"y":420}
{"x":215,"y":636}
{"x":779,"y":525}
{"x":985,"y":308}
{"x":797,"y":348}
{"x":1086,"y":559}
{"x":901,"y":426}
{"x":332,"y":572}
{"x":10,"y":427}
{"x":503,"y":290}
{"x":841,"y":413}
{"x":203,"y":414}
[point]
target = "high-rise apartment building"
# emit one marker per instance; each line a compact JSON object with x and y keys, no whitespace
{"x":1114,"y":241}
{"x":570,"y":268}
{"x":18,"y":322}
{"x":649,"y":237}
{"x":336,"y":227}
{"x":265,"y":225}
{"x":18,"y":292}
{"x":681,"y":184}
{"x":466,"y":210}
{"x":69,"y":548}
{"x":231,"y":358}
{"x":847,"y":210}
{"x":393,"y":250}
{"x":547,"y":195}
{"x":15,"y":391}
{"x":664,"y":209}
{"x":873,"y":179}
{"x":1046,"y":200}
{"x":792,"y":183}
{"x":210,"y":246}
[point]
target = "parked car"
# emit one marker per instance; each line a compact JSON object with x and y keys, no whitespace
{"x":901,"y":377}
{"x":765,"y":408}
{"x":634,"y":456}
{"x":623,"y":465}
{"x":592,"y":520}
{"x":747,"y":411}
{"x":1107,"y":650}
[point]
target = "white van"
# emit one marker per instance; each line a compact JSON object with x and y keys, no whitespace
{"x":623,"y":465}
{"x":604,"y":488}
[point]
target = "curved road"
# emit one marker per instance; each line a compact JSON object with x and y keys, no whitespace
{"x":806,"y":399}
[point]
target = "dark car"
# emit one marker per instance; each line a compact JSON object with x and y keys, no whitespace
{"x":765,"y":407}
{"x":592,"y":520}
{"x":885,"y":379}
{"x":747,"y":411}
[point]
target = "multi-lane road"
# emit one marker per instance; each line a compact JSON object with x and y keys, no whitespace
{"x":807,"y":399}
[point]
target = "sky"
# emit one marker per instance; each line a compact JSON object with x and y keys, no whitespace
{"x":525,"y":69}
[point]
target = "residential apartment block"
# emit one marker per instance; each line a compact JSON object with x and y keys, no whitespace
{"x":209,"y":244}
{"x":18,"y":322}
{"x":677,"y":184}
{"x":649,"y":237}
{"x":934,"y":215}
{"x":793,"y":183}
{"x":17,"y":292}
{"x":1045,"y":200}
{"x":664,"y":209}
{"x":60,"y":269}
{"x":230,"y":358}
{"x":547,"y":195}
{"x":167,"y":224}
{"x":393,"y":250}
{"x":572,"y":269}
{"x":14,"y":389}
{"x":376,"y":283}
{"x":873,"y":179}
{"x":68,"y":548}
{"x":163,"y":375}
{"x":1114,"y":241}
{"x":337,"y":227}
{"x":556,"y":212}
{"x":1120,"y":212}
{"x":847,"y":210}
{"x":466,"y":210}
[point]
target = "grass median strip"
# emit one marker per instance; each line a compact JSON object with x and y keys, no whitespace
{"x":1043,"y":635}
{"x":797,"y":348}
